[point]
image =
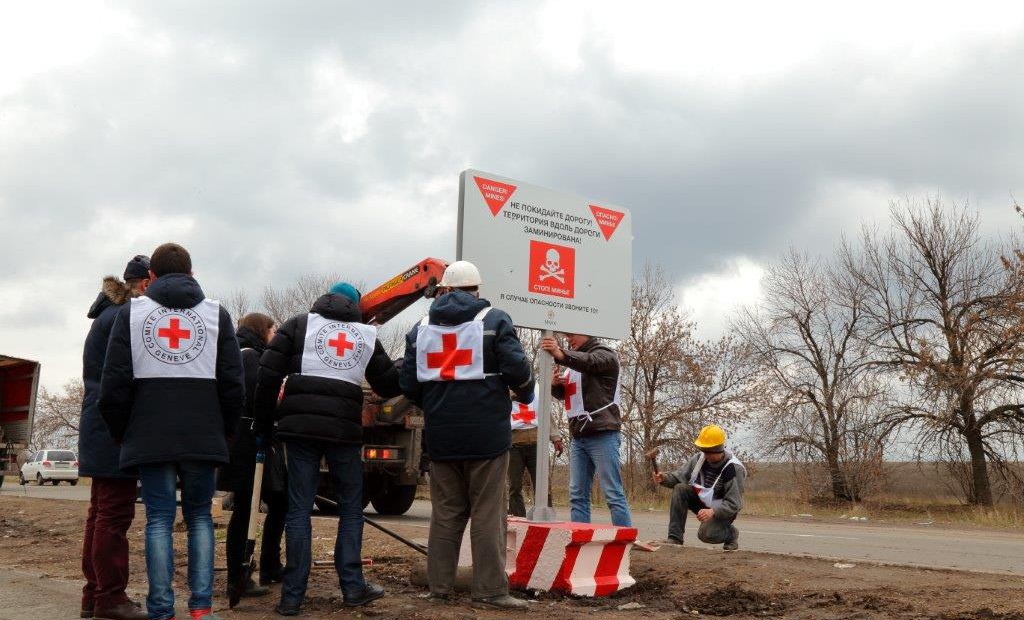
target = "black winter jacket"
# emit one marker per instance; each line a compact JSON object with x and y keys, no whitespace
{"x":98,"y":454}
{"x":239,"y":472}
{"x":467,"y":420}
{"x":316,"y":408}
{"x":160,"y":420}
{"x":599,"y":367}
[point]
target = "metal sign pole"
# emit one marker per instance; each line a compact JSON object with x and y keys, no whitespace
{"x":541,"y":511}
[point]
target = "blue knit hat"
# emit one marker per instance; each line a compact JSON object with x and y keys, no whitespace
{"x":346,"y":289}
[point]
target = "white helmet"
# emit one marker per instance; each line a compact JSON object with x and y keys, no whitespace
{"x":461,"y":274}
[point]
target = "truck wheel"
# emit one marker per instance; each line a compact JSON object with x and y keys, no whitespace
{"x":21,"y":478}
{"x":396,"y":501}
{"x":1,"y":480}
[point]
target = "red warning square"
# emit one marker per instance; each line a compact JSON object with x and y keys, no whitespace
{"x":552,"y":269}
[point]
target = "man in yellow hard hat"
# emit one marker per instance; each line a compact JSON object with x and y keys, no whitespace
{"x":711,"y":486}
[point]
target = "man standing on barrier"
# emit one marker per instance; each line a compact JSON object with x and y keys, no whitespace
{"x":589,"y":387}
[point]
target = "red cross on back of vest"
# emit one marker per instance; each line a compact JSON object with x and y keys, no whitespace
{"x":174,"y":333}
{"x":341,"y":344}
{"x":449,"y":357}
{"x":524,"y":415}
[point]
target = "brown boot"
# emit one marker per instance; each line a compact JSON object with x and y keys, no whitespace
{"x":125,"y":611}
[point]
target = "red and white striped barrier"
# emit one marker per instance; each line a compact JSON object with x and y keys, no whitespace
{"x":572,"y":558}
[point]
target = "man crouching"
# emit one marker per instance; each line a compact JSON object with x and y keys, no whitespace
{"x":710,"y":485}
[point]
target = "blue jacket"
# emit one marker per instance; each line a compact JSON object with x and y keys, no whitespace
{"x":97,"y":453}
{"x":467,"y":420}
{"x":162,"y":420}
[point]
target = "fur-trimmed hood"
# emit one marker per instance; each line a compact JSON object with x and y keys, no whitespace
{"x":113,"y":292}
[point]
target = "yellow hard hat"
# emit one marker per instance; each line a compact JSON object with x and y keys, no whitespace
{"x":710,"y":436}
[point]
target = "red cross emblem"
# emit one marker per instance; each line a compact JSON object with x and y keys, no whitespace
{"x":341,"y":344}
{"x":524,"y":415}
{"x":449,"y":357}
{"x":174,"y":334}
{"x":570,"y":391}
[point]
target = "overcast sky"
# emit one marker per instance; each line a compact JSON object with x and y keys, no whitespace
{"x":276,"y":139}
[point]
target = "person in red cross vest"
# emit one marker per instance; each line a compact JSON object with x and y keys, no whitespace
{"x":589,"y":390}
{"x":523,"y":456}
{"x":710,"y":486}
{"x":171,"y":395}
{"x":460,"y":363}
{"x":321,"y":359}
{"x":112,"y":492}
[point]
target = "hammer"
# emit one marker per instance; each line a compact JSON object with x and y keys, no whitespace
{"x":652,"y":458}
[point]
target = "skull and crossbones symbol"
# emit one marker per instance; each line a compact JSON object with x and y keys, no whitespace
{"x":552,"y":267}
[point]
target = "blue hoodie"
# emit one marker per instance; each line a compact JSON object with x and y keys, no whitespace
{"x":468,"y":420}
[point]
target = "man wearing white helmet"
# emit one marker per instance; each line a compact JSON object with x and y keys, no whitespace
{"x":460,"y":363}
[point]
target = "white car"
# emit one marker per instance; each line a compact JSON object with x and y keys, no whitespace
{"x":51,"y":466}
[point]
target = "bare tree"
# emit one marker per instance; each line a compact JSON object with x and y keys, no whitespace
{"x":672,"y":384}
{"x":946,"y":316}
{"x":820,"y":400}
{"x":57,"y":416}
{"x":283,"y":303}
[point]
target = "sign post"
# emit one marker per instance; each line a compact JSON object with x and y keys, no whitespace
{"x":554,"y":262}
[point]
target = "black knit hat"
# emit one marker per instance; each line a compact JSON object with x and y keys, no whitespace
{"x":137,"y":268}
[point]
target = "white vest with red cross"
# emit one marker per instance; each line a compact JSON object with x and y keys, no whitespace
{"x":337,"y":349}
{"x":451,"y":352}
{"x":572,"y":399}
{"x":174,"y":342}
{"x":525,"y":416}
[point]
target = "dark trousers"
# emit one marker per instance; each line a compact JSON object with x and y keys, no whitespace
{"x":105,"y":548}
{"x":521,"y":459}
{"x":346,"y":468}
{"x":459,"y":491}
{"x":273,"y":530}
{"x":713,"y":532}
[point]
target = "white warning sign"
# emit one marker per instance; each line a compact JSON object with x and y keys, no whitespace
{"x":551,"y":260}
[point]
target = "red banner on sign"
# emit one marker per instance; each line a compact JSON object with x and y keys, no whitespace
{"x":607,"y":220}
{"x":495,"y":193}
{"x":552,"y":269}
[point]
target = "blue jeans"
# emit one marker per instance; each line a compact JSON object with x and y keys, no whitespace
{"x":346,"y":467}
{"x":158,"y":495}
{"x":600,"y":453}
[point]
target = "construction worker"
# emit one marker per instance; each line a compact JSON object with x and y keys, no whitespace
{"x":325,"y":355}
{"x":589,"y":387}
{"x":171,"y":395}
{"x":460,"y":363}
{"x":522,"y":458}
{"x":711,"y":486}
{"x":112,"y":494}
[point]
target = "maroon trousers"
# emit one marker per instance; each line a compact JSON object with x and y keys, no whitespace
{"x":105,"y":552}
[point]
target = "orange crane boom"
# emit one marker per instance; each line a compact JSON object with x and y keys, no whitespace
{"x":387,"y":300}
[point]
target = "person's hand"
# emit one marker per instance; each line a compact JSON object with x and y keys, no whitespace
{"x":557,"y":378}
{"x":658,"y":477}
{"x":559,"y":447}
{"x":705,"y":515}
{"x":551,"y":346}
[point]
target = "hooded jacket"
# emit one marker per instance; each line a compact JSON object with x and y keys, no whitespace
{"x":160,"y":420}
{"x":98,"y":454}
{"x":316,"y":408}
{"x":729,"y":488}
{"x":470,"y":419}
{"x":599,"y":367}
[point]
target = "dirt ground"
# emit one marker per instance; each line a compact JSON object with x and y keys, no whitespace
{"x":44,"y":537}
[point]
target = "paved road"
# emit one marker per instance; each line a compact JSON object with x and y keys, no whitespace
{"x":978,"y":550}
